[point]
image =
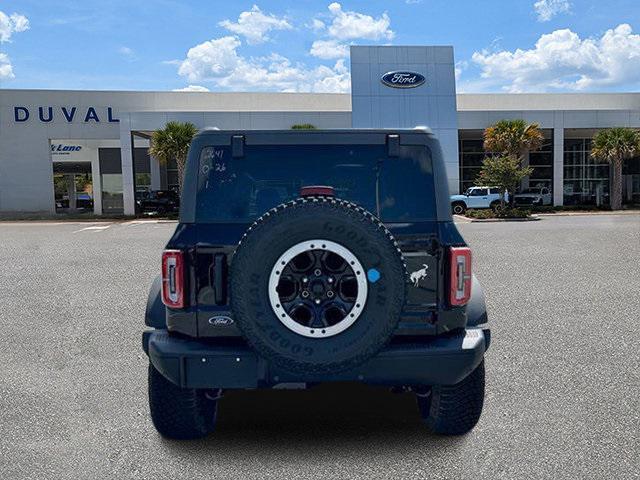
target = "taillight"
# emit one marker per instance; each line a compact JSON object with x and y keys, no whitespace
{"x":173,"y":278}
{"x":460,"y":276}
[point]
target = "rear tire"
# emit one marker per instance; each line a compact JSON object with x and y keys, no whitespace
{"x":454,"y":409}
{"x":180,"y":413}
{"x":458,"y":208}
{"x":495,"y":206}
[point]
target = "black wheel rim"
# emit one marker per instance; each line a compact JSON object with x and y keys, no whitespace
{"x":318,"y":288}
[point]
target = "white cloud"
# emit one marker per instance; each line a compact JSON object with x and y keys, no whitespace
{"x":192,"y":88}
{"x":6,"y":70}
{"x":348,"y":25}
{"x":254,"y":25}
{"x":460,"y":67}
{"x":127,"y":52}
{"x":345,"y":26}
{"x":329,"y":49}
{"x":561,"y":60}
{"x":218,"y":61}
{"x":547,"y":9}
{"x":10,"y":24}
{"x":316,"y":25}
{"x":211,"y":59}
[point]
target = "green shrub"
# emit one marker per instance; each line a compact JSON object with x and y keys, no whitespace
{"x":504,"y":213}
{"x":514,"y":213}
{"x":481,"y":214}
{"x":303,"y":126}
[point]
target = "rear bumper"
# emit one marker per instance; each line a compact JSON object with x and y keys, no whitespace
{"x":191,"y":363}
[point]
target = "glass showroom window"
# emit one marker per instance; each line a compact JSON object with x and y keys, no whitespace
{"x":586,"y":181}
{"x":172,"y":175}
{"x":142,"y":170}
{"x":111,"y":179}
{"x":542,"y":163}
{"x":635,"y":188}
{"x":471,"y":157}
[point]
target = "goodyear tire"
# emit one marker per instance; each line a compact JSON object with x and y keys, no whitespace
{"x":317,"y":285}
{"x":180,"y":413}
{"x":454,"y":409}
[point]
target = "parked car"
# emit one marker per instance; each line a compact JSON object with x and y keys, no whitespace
{"x":141,"y":194}
{"x":477,"y":197}
{"x":270,"y":280}
{"x":533,"y":196}
{"x":160,"y":201}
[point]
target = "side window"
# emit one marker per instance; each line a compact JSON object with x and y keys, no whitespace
{"x":495,"y":191}
{"x":405,"y":186}
{"x":478,"y":192}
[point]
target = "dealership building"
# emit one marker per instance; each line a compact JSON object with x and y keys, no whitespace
{"x":64,"y":150}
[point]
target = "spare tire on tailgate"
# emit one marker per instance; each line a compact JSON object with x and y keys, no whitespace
{"x":317,"y":285}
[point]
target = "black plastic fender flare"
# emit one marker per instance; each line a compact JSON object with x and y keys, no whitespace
{"x":477,"y":311}
{"x":476,"y":308}
{"x":155,"y":314}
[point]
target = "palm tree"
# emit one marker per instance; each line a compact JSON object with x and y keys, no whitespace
{"x":615,"y":145}
{"x":172,"y":143}
{"x":513,"y":137}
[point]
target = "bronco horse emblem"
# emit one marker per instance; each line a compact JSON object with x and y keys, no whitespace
{"x":418,"y":275}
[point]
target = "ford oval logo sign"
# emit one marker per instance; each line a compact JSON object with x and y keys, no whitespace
{"x":221,"y":321}
{"x":402,"y":79}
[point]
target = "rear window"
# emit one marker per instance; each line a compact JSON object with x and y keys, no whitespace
{"x":238,"y":190}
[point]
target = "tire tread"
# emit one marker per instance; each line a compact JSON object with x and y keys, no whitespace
{"x":455,"y":409}
{"x":179,"y":413}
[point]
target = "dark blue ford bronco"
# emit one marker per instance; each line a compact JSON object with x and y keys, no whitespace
{"x":304,"y":257}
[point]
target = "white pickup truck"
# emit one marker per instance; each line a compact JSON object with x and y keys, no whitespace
{"x":477,"y":197}
{"x":533,"y":196}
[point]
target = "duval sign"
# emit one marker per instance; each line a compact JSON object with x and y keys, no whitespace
{"x":403,"y":79}
{"x":68,"y":114}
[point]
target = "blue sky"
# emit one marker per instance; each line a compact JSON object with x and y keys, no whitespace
{"x":500,"y":46}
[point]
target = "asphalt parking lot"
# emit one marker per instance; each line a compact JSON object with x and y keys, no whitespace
{"x":563,"y":372}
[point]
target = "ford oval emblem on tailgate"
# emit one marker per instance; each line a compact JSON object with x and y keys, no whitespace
{"x":221,"y":321}
{"x":403,"y":79}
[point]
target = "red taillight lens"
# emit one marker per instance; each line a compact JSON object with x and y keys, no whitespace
{"x":173,"y":278}
{"x":460,"y":276}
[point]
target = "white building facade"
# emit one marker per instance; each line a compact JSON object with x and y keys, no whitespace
{"x":69,"y":150}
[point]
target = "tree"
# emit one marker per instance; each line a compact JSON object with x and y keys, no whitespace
{"x":614,"y":146}
{"x":303,"y":126}
{"x":504,"y":172}
{"x":172,"y":143}
{"x":513,"y":137}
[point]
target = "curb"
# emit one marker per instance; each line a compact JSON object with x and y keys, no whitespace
{"x":576,"y":214}
{"x":495,"y":220}
{"x":86,"y":220}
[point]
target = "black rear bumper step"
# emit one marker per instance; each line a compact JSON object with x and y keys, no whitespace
{"x":191,"y":363}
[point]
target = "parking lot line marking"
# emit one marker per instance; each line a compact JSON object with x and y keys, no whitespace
{"x":94,"y":228}
{"x":135,"y":223}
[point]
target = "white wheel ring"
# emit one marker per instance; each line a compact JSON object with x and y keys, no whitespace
{"x":352,"y":315}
